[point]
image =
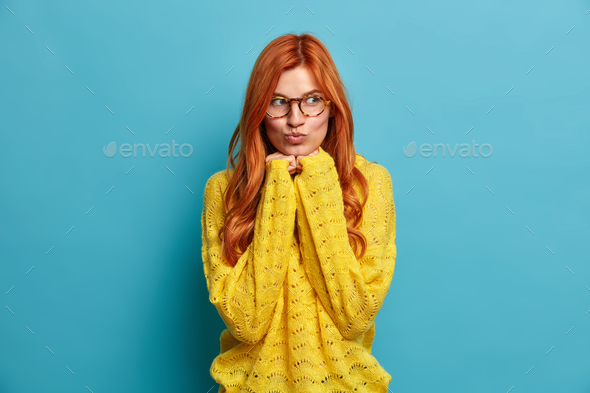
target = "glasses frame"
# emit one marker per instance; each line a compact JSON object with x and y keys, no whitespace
{"x":299,"y":100}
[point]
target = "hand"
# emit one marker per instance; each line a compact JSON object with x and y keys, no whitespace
{"x":280,"y":156}
{"x":298,"y":167}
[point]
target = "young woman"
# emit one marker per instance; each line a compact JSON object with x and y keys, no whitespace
{"x":298,"y":234}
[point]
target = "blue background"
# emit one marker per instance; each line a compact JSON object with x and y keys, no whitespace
{"x":492,"y":269}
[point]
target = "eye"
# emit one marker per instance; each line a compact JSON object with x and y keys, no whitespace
{"x":278,"y":101}
{"x":312,"y":100}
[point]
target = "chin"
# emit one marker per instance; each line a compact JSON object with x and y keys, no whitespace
{"x":297,"y":150}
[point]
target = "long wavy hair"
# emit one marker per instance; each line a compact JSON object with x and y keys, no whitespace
{"x":249,"y":164}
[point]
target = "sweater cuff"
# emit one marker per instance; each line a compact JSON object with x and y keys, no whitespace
{"x":277,"y":164}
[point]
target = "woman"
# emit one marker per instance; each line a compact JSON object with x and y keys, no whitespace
{"x":296,"y":263}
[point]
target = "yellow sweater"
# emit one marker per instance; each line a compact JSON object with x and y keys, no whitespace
{"x":299,"y":306}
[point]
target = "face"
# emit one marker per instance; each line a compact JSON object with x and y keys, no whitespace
{"x":295,"y":83}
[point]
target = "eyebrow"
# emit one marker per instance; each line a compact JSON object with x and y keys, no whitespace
{"x":276,"y":93}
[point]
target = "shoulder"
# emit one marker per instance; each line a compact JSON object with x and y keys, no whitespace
{"x":373,"y":172}
{"x":378,"y":179}
{"x":220,"y":176}
{"x":217,"y":182}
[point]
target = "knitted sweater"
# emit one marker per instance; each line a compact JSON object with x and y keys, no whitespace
{"x":299,"y":306}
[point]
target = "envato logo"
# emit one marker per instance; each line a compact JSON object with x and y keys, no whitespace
{"x":125,"y":150}
{"x":465,"y":150}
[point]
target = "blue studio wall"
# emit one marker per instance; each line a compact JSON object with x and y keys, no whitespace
{"x":100,"y":257}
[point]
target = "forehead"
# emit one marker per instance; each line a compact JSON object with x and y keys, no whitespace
{"x":297,"y":82}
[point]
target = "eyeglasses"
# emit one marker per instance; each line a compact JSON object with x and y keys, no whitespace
{"x":310,"y":105}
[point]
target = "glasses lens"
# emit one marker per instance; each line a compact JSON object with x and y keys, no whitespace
{"x":311,"y":106}
{"x":278,"y":107}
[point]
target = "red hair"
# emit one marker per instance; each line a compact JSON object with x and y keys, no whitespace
{"x":243,"y":191}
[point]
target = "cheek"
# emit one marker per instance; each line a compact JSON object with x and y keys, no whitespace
{"x":320,"y":128}
{"x":273,"y":131}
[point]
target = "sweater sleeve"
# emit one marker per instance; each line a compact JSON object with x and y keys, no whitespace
{"x":249,"y":295}
{"x":351,"y":290}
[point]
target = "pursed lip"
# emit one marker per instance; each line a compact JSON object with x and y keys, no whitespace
{"x":296,"y":134}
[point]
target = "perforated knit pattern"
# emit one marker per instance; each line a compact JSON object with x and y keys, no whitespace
{"x":299,"y":306}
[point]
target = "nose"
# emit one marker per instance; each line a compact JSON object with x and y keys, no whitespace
{"x":295,"y":118}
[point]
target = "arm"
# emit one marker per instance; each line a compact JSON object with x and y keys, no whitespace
{"x":352,"y":290}
{"x":249,"y":295}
